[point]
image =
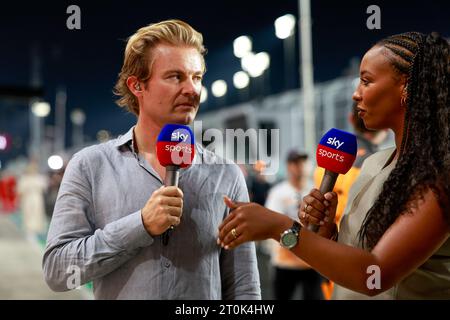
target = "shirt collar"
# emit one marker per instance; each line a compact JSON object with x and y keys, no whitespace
{"x":126,"y":139}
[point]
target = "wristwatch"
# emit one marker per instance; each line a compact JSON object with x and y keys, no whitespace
{"x":289,"y":238}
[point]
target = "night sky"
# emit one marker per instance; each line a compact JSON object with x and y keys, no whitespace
{"x":87,"y":61}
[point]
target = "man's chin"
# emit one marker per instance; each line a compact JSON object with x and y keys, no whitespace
{"x":186,"y":119}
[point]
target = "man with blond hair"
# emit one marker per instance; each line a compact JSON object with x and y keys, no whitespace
{"x":113,"y":207}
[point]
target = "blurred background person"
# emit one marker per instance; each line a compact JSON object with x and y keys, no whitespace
{"x":8,"y":195}
{"x":292,"y":273}
{"x":31,"y":188}
{"x":258,"y":186}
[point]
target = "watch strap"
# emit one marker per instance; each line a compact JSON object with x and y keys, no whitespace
{"x":296,"y":227}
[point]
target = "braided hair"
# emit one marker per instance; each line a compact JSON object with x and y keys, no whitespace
{"x":424,"y":155}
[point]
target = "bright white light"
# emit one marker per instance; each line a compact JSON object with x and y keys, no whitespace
{"x":219,"y":88}
{"x":55,"y":162}
{"x":3,"y":142}
{"x":78,"y":117}
{"x":284,"y":26}
{"x":203,"y":95}
{"x":255,"y":64}
{"x":241,"y":79}
{"x":263,"y":60}
{"x":248,"y":63}
{"x":40,"y":109}
{"x":241,"y":46}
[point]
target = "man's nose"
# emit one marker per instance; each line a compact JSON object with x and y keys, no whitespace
{"x":190,"y":88}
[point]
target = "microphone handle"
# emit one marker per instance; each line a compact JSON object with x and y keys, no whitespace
{"x":327,"y":185}
{"x":172,"y":176}
{"x":171,"y":179}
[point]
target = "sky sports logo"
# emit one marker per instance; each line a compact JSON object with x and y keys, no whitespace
{"x":178,"y":148}
{"x":336,"y":151}
{"x":331,"y":155}
{"x":180,"y":135}
{"x":333,"y":142}
{"x":183,"y":139}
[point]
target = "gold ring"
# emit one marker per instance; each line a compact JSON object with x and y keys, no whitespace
{"x":306,"y":207}
{"x":233,"y":232}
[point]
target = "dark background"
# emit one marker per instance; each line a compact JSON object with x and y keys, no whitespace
{"x":86,"y":62}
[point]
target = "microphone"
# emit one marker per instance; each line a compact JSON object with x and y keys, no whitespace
{"x":335,"y":153}
{"x":175,"y":149}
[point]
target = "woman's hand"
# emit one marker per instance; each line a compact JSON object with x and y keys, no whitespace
{"x":250,"y":222}
{"x":319,"y":210}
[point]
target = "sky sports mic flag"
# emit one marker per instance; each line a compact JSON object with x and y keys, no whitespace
{"x":335,"y":153}
{"x":175,"y":149}
{"x":175,"y":146}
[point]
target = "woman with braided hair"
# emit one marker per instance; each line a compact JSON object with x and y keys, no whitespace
{"x":393,"y":242}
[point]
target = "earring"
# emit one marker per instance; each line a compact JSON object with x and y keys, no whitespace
{"x":403,"y":100}
{"x":137,"y":86}
{"x":404,"y":96}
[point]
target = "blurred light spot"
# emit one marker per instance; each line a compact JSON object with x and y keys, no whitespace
{"x":103,"y":136}
{"x":55,"y":162}
{"x":241,"y":80}
{"x":3,"y":142}
{"x":78,"y":117}
{"x":203,"y":95}
{"x":219,"y":88}
{"x":255,"y":64}
{"x":284,"y":26}
{"x":241,"y":46}
{"x":40,"y":109}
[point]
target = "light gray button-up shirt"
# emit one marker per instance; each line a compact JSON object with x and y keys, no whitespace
{"x":97,"y":230}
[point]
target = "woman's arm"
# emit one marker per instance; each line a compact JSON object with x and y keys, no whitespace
{"x":407,"y":244}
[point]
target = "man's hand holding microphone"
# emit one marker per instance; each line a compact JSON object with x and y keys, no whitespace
{"x":163,"y":210}
{"x":175,"y":150}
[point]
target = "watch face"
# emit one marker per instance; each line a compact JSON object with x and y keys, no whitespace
{"x":289,"y":240}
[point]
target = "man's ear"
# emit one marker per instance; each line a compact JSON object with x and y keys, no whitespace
{"x":134,"y":85}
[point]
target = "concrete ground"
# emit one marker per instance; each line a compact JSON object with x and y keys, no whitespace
{"x":21,"y":274}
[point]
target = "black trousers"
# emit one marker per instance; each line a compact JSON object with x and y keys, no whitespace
{"x":287,"y":280}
